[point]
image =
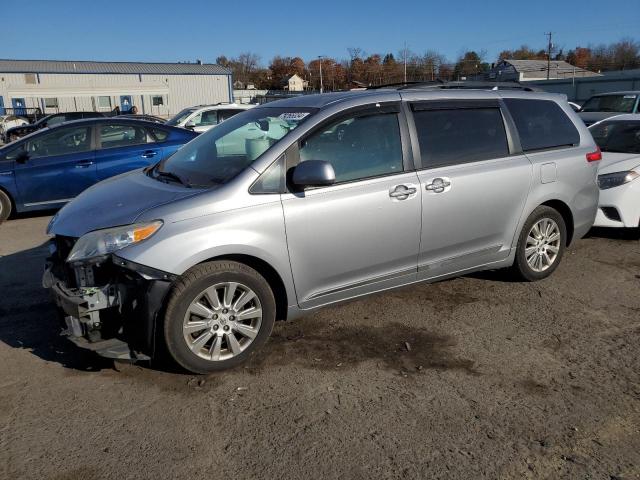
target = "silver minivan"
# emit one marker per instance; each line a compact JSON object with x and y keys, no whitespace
{"x":313,"y":200}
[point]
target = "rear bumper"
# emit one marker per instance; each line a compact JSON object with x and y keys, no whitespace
{"x":116,"y":315}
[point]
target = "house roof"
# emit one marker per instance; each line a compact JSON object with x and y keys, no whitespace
{"x":532,"y":67}
{"x":70,"y":66}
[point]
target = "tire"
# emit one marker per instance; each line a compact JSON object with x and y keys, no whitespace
{"x":209,"y":339}
{"x":5,"y":206}
{"x":532,"y":265}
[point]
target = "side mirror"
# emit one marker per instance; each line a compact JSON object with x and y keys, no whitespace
{"x":22,"y":157}
{"x":313,"y":173}
{"x":189,"y":125}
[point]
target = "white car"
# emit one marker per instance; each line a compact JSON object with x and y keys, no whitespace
{"x":10,"y":121}
{"x":204,"y":117}
{"x":619,"y":139}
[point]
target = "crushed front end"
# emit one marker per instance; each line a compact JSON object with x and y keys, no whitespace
{"x":107,"y":304}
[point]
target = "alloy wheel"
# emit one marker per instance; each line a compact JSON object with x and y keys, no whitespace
{"x":543,"y":244}
{"x":222,"y":321}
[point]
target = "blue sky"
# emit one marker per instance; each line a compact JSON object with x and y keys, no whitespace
{"x":163,"y":30}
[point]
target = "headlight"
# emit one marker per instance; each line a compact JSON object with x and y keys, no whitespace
{"x":610,"y":180}
{"x":104,"y":242}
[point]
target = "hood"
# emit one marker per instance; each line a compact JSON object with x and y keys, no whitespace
{"x":589,"y":118}
{"x":618,"y":162}
{"x":116,"y":201}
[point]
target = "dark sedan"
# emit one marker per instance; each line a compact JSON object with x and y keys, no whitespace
{"x":50,"y":167}
{"x":15,"y":133}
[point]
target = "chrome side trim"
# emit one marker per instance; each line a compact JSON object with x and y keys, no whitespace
{"x":6,"y":173}
{"x":447,"y":261}
{"x":389,"y":276}
{"x":62,"y":200}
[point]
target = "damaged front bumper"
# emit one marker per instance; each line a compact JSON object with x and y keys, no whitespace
{"x":108,"y":305}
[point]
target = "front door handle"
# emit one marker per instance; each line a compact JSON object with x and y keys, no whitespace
{"x":84,"y":164}
{"x":402,"y":192}
{"x":149,"y":154}
{"x":438,"y":185}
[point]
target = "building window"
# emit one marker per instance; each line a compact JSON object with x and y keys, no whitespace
{"x":51,"y":103}
{"x":157,"y":100}
{"x":104,"y":102}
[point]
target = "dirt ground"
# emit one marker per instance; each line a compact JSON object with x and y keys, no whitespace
{"x":476,"y":377}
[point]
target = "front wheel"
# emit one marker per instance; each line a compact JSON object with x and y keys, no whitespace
{"x":541,"y":244}
{"x":217,"y":315}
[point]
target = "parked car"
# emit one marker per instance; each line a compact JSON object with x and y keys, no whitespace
{"x":619,"y":140}
{"x":605,"y":105}
{"x":144,"y":116}
{"x":10,"y":121}
{"x":48,"y":168}
{"x":204,"y":117}
{"x":15,"y":133}
{"x":334,"y":196}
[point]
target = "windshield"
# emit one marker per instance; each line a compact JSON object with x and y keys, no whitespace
{"x":220,"y":154}
{"x":617,"y":136}
{"x":610,"y":103}
{"x":181,"y":116}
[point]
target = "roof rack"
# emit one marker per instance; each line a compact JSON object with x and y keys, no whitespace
{"x":458,"y":85}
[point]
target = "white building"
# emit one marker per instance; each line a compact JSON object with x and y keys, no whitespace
{"x":154,"y":88}
{"x":529,"y":70}
{"x":296,"y":83}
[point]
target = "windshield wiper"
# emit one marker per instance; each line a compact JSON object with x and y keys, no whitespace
{"x":169,"y":176}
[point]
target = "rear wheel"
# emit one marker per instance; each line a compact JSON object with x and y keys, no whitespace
{"x":541,"y":244}
{"x":5,"y":206}
{"x":217,"y":315}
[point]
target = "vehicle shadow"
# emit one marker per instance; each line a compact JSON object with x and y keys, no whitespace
{"x":614,"y":233}
{"x":28,"y":318}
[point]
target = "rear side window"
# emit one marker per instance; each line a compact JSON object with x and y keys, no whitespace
{"x":121,"y":135}
{"x":542,"y":124}
{"x":453,"y":136}
{"x":225,"y":114}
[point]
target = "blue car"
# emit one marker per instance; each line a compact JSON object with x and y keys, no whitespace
{"x":50,"y":167}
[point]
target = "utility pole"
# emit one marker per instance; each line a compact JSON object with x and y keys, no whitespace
{"x":320,"y":57}
{"x":404,"y":52}
{"x":549,"y":47}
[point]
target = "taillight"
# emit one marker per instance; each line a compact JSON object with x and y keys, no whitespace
{"x":594,"y":156}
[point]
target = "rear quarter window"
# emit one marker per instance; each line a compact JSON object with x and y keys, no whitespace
{"x":542,"y":124}
{"x":159,"y":134}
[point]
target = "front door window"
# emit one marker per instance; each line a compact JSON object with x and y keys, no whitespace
{"x":358,"y":147}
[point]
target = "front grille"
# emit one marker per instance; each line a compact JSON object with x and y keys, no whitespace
{"x":63,"y":245}
{"x":611,"y":213}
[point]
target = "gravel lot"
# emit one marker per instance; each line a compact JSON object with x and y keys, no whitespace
{"x":476,"y":377}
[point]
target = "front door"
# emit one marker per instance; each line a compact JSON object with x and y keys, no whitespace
{"x":361,"y":234}
{"x":19,"y":106}
{"x":125,"y":103}
{"x":473,"y":188}
{"x":56,"y":166}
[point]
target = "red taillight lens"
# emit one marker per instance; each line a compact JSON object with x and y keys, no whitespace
{"x":594,"y":156}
